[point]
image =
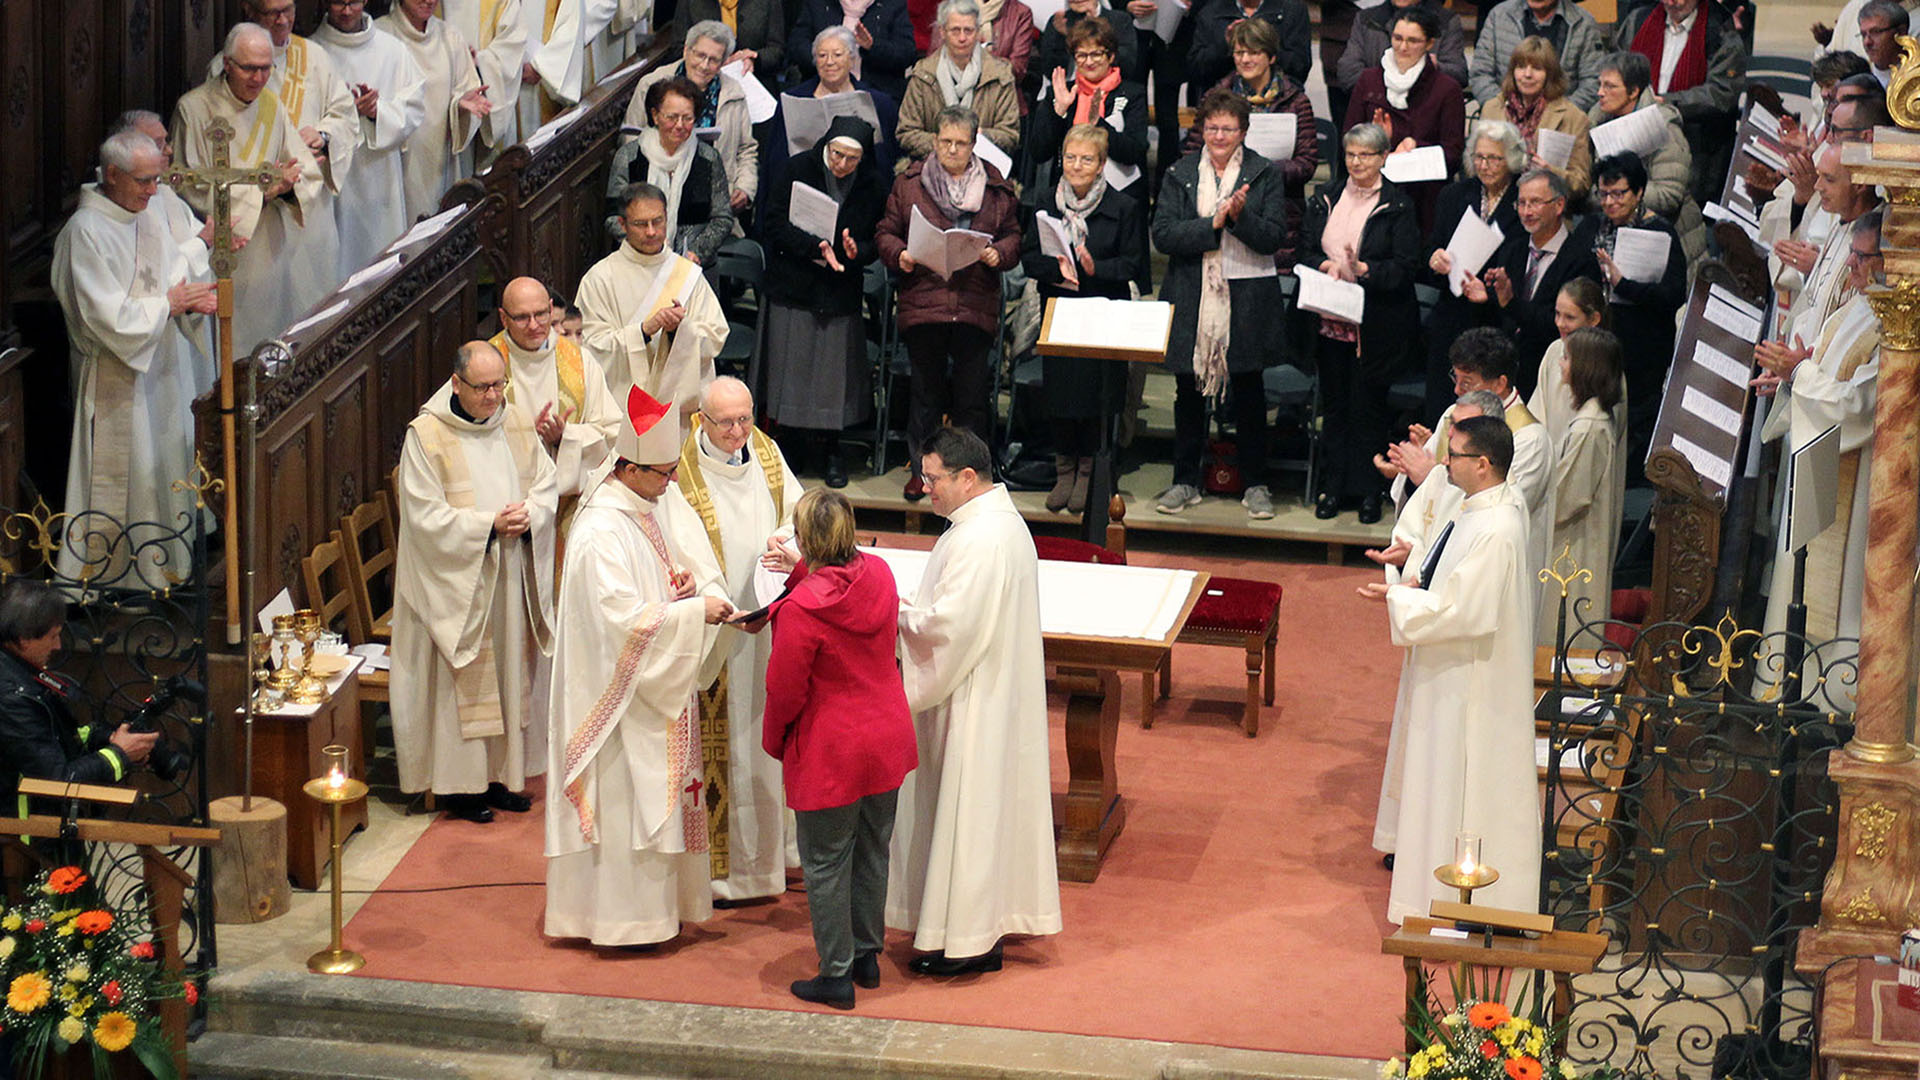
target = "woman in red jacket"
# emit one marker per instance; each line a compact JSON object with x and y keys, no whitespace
{"x":837,"y":719}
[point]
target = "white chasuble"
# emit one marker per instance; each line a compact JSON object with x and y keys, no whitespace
{"x":271,"y":289}
{"x":133,"y":393}
{"x":626,"y":839}
{"x":315,"y":96}
{"x":434,"y":160}
{"x":371,"y":210}
{"x":619,"y":293}
{"x":562,"y":376}
{"x":1468,"y":756}
{"x":973,"y":854}
{"x":472,"y":611}
{"x":737,"y":506}
{"x":493,"y":29}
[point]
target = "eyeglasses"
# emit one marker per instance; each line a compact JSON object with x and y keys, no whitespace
{"x":664,"y":474}
{"x":1091,"y":55}
{"x":1537,"y":204}
{"x":730,"y":424}
{"x":485,"y":388}
{"x":1489,"y":159}
{"x":1461,"y":455}
{"x":284,"y":14}
{"x":1364,"y":154}
{"x":252,"y":69}
{"x":543,"y":314}
{"x":1221,"y":129}
{"x":1614,"y":195}
{"x":953,"y":144}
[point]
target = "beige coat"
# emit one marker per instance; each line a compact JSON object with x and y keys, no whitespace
{"x":996,"y":101}
{"x":1560,"y":114}
{"x":739,"y":150}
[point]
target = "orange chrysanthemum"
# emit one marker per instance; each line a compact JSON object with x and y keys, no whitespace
{"x":1488,"y":1015}
{"x":93,"y":922}
{"x":1523,"y":1068}
{"x":66,"y":879}
{"x":28,"y":992}
{"x":115,"y":1032}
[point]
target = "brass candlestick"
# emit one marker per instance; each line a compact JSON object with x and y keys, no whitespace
{"x":336,"y":789}
{"x":1466,"y":880}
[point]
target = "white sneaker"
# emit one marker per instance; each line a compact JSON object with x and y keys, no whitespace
{"x":1258,"y":502}
{"x":1177,"y":498}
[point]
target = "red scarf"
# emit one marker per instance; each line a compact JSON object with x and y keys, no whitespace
{"x":1090,"y":98}
{"x":1651,"y":40}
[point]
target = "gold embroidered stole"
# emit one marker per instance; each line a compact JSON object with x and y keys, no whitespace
{"x":254,"y":147}
{"x":714,"y":724}
{"x":293,"y":84}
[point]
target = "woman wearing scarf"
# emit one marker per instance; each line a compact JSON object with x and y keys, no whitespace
{"x":882,"y":37}
{"x":948,"y":323}
{"x":1533,"y":97}
{"x":1222,"y":203}
{"x":834,"y":53}
{"x":817,"y":376}
{"x":1056,"y":51}
{"x":719,"y":102}
{"x":1413,"y":101}
{"x":1097,"y":93}
{"x":959,"y":73}
{"x":1698,"y":61}
{"x":1496,"y":158}
{"x":1103,"y":227}
{"x":667,"y":156}
{"x":1256,"y":51}
{"x":1361,"y":229}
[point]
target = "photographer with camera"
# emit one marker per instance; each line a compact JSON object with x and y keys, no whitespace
{"x":39,"y":734}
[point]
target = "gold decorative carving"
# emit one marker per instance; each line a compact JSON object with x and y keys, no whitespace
{"x":201,"y":482}
{"x":36,"y":528}
{"x":1728,"y":635}
{"x":1898,"y":305}
{"x":1574,"y":571}
{"x":1873,"y":822}
{"x":1903,"y":90}
{"x":1861,"y":909}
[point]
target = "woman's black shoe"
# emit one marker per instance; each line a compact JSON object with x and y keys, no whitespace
{"x":1370,"y":509}
{"x":1326,"y":507}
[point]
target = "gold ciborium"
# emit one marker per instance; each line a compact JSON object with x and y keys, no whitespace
{"x":310,"y":689}
{"x":284,"y":676}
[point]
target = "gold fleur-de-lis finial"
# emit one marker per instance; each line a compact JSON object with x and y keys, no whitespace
{"x":36,"y":528}
{"x":202,"y":483}
{"x":1574,"y":571}
{"x":1728,"y":634}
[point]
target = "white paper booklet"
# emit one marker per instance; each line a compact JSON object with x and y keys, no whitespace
{"x":1053,"y":236}
{"x":760,"y":104}
{"x":1272,"y":135}
{"x":1474,"y":241}
{"x":813,"y":211}
{"x":807,"y":117}
{"x":1642,"y":131}
{"x":1414,"y":166}
{"x":1554,"y":147}
{"x":945,"y":252}
{"x":1641,"y":254}
{"x":1323,"y":294}
{"x":1165,"y":20}
{"x":984,"y":149}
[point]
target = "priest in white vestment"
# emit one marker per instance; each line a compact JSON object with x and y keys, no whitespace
{"x":742,"y":494}
{"x":973,"y":856}
{"x":271,"y":289}
{"x":201,"y":364}
{"x":1826,"y":283}
{"x":553,"y":73}
{"x":473,"y":604}
{"x":626,"y":828}
{"x":456,"y":103}
{"x":389,"y":93}
{"x":125,"y":288}
{"x":647,"y":314}
{"x":499,"y":41}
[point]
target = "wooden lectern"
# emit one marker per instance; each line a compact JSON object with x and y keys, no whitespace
{"x":1131,"y":331}
{"x":165,"y":880}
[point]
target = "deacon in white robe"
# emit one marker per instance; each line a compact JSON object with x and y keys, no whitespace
{"x":493,"y":28}
{"x":473,"y":604}
{"x":125,"y":288}
{"x":271,"y":288}
{"x":741,"y":493}
{"x":456,"y":103}
{"x":973,"y":857}
{"x":389,"y":93}
{"x":1469,"y":737}
{"x":626,"y":828}
{"x":201,"y":364}
{"x":648,"y":314}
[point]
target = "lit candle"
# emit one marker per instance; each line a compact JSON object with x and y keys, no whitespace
{"x":336,"y":778}
{"x":336,"y":758}
{"x":1466,"y":853}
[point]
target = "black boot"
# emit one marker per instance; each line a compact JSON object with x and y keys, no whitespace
{"x":836,"y":463}
{"x":824,"y":990}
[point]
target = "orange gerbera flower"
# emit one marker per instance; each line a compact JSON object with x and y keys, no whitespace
{"x":1523,"y":1068}
{"x":66,"y":879}
{"x":93,"y":922}
{"x":28,"y":992}
{"x":114,"y":1032}
{"x":1488,"y":1015}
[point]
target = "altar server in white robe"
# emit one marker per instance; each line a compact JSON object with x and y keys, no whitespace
{"x":742,"y":493}
{"x":200,"y":365}
{"x":1589,"y":486}
{"x":648,"y":314}
{"x":456,"y":103}
{"x":473,"y":604}
{"x":973,"y":856}
{"x":124,"y":286}
{"x":271,"y":289}
{"x":1469,"y":738}
{"x":626,"y":828}
{"x":390,"y":99}
{"x":493,"y":28}
{"x":1832,"y":381}
{"x":1431,"y":508}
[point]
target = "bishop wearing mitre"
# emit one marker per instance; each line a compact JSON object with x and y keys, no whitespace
{"x":493,"y":28}
{"x":271,"y":289}
{"x":125,"y":287}
{"x":648,"y":313}
{"x":626,"y":822}
{"x":456,"y":103}
{"x":473,"y":603}
{"x":390,"y":103}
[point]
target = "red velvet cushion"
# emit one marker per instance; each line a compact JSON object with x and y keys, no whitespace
{"x":1061,"y":549}
{"x":1235,"y":605}
{"x":1632,"y":605}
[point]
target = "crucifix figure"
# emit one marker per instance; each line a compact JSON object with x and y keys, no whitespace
{"x":220,"y":178}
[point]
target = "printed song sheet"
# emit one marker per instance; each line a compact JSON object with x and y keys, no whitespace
{"x":1721,"y":364}
{"x":1713,"y":412}
{"x":1053,"y":236}
{"x":1272,"y":135}
{"x":1642,"y":131}
{"x":944,"y":252}
{"x":1554,"y":147}
{"x":1098,"y":321}
{"x":813,"y":211}
{"x":1413,"y":166}
{"x":1165,"y":20}
{"x":1704,"y":462}
{"x":1326,"y":295}
{"x":984,"y":149}
{"x":807,"y":117}
{"x":1641,"y":254}
{"x":1474,"y":242}
{"x":760,"y":105}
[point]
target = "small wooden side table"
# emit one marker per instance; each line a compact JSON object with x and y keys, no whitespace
{"x":287,"y":754}
{"x":1565,"y":953}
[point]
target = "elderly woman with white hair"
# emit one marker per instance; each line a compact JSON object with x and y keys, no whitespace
{"x":836,"y":53}
{"x":881,"y":33}
{"x":960,"y":72}
{"x":1496,"y":155}
{"x":722,"y":104}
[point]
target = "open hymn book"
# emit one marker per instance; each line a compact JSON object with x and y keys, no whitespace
{"x":944,"y":251}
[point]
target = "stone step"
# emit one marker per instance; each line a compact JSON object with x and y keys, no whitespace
{"x":256,"y":1057}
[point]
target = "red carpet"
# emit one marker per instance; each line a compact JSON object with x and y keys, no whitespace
{"x":1241,"y":907}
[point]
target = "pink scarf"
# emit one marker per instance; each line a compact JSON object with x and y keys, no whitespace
{"x":1345,"y":223}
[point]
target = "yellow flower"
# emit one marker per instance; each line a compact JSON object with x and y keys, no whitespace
{"x":7,"y":945}
{"x":1568,"y":1071}
{"x":1535,"y":1044}
{"x":78,"y":971}
{"x":78,"y":1008}
{"x":68,"y":993}
{"x":114,"y":1032}
{"x":71,"y":1030}
{"x":28,"y":992}
{"x":1389,"y":1069}
{"x":12,"y":921}
{"x":1416,"y":1069}
{"x":66,"y":930}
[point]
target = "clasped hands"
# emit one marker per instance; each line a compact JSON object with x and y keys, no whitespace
{"x":663,"y":320}
{"x":681,"y":580}
{"x":1777,"y":360}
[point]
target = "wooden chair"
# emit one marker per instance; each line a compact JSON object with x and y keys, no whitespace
{"x":367,"y":546}
{"x":328,"y":558}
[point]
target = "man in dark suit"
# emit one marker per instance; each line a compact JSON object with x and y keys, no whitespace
{"x":1529,"y":269}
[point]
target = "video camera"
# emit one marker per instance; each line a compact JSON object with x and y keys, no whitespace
{"x":167,"y":760}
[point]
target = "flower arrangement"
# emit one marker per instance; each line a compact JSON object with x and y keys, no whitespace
{"x":79,"y":974}
{"x":1480,"y":1040}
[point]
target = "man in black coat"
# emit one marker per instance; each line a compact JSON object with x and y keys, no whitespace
{"x":1527,"y":272}
{"x":39,"y":735}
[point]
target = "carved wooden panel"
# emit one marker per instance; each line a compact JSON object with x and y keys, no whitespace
{"x":133,"y":50}
{"x":13,"y":419}
{"x":74,"y":77}
{"x":21,"y":109}
{"x":286,"y":532}
{"x":194,"y":30}
{"x":351,"y":455}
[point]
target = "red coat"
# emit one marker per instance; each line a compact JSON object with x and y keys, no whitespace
{"x":836,"y":710}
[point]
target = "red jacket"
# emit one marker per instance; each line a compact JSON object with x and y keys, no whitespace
{"x":836,"y":710}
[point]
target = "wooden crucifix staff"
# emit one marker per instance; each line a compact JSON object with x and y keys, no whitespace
{"x":219,"y":178}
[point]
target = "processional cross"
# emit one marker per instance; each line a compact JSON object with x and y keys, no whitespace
{"x":220,"y":177}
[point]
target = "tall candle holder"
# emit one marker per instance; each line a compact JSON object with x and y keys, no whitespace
{"x":1466,"y":872}
{"x":336,"y":789}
